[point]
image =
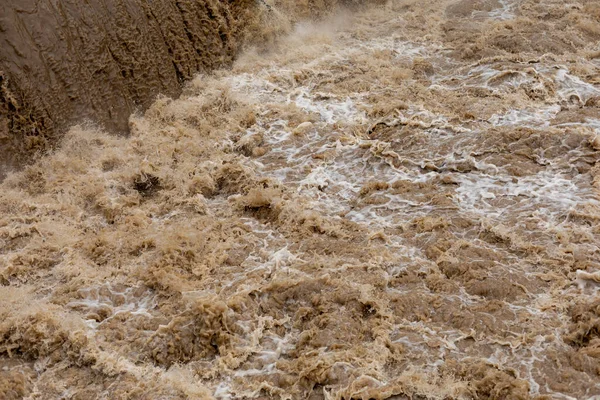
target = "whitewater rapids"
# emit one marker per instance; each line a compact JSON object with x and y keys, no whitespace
{"x":399,"y":202}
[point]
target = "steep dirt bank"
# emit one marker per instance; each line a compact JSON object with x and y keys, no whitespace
{"x":62,"y":61}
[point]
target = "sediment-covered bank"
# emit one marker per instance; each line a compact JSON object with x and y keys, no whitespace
{"x":393,"y":204}
{"x":65,"y":61}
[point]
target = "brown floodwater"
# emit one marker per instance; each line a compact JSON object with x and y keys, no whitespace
{"x":395,"y":202}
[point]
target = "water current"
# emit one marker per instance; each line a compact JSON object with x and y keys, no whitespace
{"x":400,"y":202}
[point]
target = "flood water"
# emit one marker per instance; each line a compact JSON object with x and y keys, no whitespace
{"x":391,"y":203}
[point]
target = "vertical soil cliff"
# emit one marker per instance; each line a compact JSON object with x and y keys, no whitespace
{"x":63,"y":61}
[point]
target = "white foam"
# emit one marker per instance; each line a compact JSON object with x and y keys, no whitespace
{"x":114,"y":301}
{"x":526,"y":117}
{"x":570,"y":85}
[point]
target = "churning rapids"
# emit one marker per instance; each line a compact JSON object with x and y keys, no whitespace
{"x":396,"y":203}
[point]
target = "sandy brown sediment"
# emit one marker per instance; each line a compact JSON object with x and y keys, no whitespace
{"x":66,"y":61}
{"x":431,"y":233}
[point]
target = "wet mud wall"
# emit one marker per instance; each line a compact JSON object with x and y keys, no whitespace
{"x":63,"y":61}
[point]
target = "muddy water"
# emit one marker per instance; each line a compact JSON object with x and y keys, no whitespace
{"x":401,"y":202}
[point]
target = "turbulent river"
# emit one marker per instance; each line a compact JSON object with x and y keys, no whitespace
{"x":400,"y":202}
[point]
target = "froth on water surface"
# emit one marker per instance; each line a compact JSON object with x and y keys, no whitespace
{"x":401,"y":203}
